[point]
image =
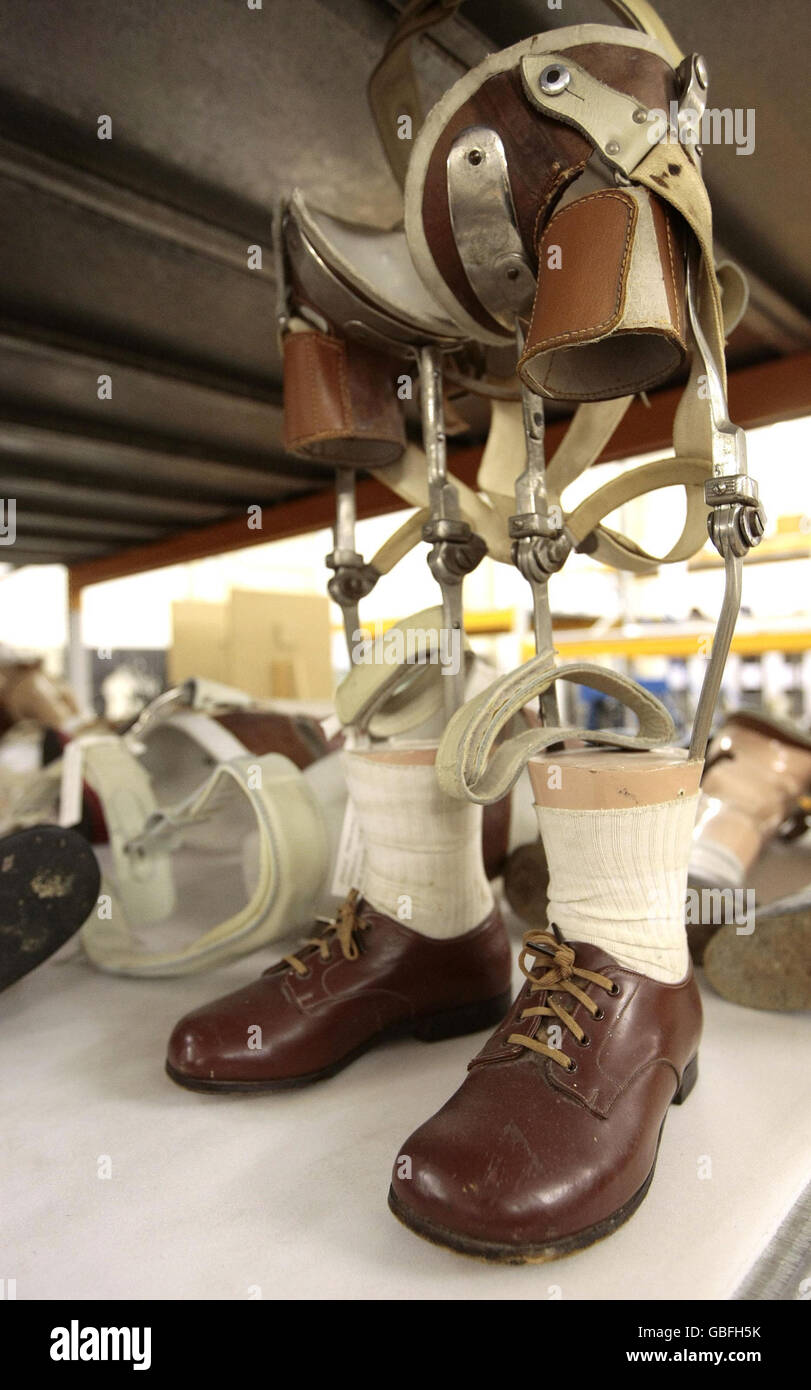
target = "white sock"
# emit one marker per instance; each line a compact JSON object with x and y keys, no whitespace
{"x":618,"y":879}
{"x":423,"y":863}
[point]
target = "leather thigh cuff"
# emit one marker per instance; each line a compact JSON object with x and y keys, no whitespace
{"x":340,"y":402}
{"x":609,"y":317}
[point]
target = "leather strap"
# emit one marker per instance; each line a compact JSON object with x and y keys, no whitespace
{"x":674,"y":472}
{"x":339,"y":401}
{"x":608,"y":320}
{"x":471,"y":764}
{"x":591,"y":427}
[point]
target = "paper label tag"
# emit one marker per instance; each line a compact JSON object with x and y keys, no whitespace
{"x":351,"y":855}
{"x":70,"y":790}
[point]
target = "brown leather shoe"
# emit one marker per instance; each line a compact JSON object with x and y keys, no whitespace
{"x":366,"y":979}
{"x":546,"y":1149}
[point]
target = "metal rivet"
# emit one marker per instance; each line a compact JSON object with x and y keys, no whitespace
{"x":474,"y":157}
{"x":701,"y":71}
{"x":640,"y":115}
{"x":554,"y":79}
{"x":612,"y":147}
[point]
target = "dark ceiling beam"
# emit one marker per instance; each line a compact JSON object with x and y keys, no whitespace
{"x":165,"y":473}
{"x":115,"y":203}
{"x":107,"y":503}
{"x":149,"y":399}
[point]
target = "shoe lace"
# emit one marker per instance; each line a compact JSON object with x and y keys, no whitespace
{"x":559,"y":977}
{"x":342,"y":930}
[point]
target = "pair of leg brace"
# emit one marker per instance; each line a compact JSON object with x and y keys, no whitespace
{"x":551,"y":1140}
{"x":603,"y":291}
{"x":647,"y":227}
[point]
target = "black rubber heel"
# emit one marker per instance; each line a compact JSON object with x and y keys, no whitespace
{"x":49,"y":884}
{"x":688,"y":1080}
{"x":467,"y":1018}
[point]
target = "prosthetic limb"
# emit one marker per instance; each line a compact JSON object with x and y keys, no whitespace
{"x":756,"y":779}
{"x":609,"y":1016}
{"x":756,"y":787}
{"x":411,"y":952}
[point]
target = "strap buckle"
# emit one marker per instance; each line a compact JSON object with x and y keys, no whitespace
{"x":694,"y":79}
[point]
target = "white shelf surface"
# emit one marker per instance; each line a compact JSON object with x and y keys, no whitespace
{"x":284,"y":1196}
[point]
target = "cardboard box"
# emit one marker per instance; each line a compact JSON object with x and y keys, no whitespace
{"x":268,"y":644}
{"x":200,"y":643}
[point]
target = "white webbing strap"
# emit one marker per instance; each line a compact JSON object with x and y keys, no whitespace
{"x":471,"y":764}
{"x":400,"y":542}
{"x":592,"y":426}
{"x":487,"y":512}
{"x":672,"y":472}
{"x":396,"y":683}
{"x":408,"y":478}
{"x":196,"y":693}
{"x":213,"y":738}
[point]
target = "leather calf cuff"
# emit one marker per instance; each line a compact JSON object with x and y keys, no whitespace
{"x":340,"y":402}
{"x":609,"y":313}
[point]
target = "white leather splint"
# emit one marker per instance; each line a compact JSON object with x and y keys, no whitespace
{"x":175,"y":738}
{"x":377,"y":266}
{"x":254,"y":834}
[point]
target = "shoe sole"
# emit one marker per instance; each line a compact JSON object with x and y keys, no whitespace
{"x":450,"y":1023}
{"x":49,"y":884}
{"x":495,"y":1252}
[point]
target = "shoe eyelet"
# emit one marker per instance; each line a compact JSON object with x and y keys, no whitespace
{"x":572,"y":1067}
{"x":599,"y":1014}
{"x":615,"y":989}
{"x":585,"y":1041}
